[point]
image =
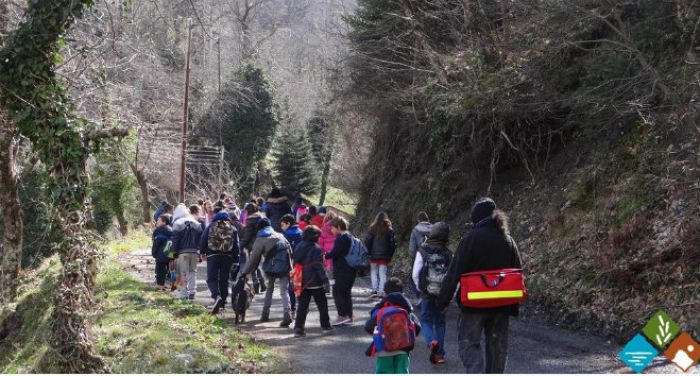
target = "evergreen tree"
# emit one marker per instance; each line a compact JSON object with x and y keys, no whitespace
{"x":244,"y":119}
{"x":294,"y":167}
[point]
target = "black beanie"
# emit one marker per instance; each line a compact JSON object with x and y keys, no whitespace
{"x":263,"y":223}
{"x":483,"y":209}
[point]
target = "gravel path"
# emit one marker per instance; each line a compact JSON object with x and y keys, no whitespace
{"x":533,"y":347}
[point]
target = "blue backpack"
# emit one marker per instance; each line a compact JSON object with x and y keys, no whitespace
{"x":277,"y":261}
{"x":357,"y":256}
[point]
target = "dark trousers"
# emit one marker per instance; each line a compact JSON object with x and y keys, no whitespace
{"x":292,"y":296}
{"x":319,"y":296}
{"x":161,"y":272}
{"x":495,"y":328}
{"x":218,"y":272}
{"x":342,"y":293}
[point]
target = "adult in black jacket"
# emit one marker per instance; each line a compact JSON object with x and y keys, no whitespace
{"x":277,"y":207}
{"x":344,"y":274}
{"x":309,"y":255}
{"x":487,"y":247}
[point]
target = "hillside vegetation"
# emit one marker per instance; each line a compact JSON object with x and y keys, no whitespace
{"x":579,"y":118}
{"x":135,"y":329}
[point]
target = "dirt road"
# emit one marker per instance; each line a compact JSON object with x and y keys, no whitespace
{"x":533,"y":348}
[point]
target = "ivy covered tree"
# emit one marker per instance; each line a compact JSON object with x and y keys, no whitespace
{"x":243,"y":119}
{"x":34,"y":99}
{"x":295,"y":171}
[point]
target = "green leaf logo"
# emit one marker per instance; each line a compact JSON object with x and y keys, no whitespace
{"x":661,"y":329}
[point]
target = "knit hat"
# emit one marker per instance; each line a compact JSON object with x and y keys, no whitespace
{"x":483,"y":209}
{"x":263,"y":223}
{"x":218,"y":206}
{"x":439,"y":231}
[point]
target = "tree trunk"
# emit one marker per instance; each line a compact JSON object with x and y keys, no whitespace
{"x":123,"y":224}
{"x":324,"y":176}
{"x":69,"y":336}
{"x":12,"y":217}
{"x":145,"y":202}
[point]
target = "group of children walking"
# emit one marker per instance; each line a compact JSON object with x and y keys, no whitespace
{"x":301,"y":249}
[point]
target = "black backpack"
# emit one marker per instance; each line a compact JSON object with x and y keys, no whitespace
{"x":434,"y":270}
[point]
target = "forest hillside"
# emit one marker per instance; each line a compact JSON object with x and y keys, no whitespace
{"x":578,"y":118}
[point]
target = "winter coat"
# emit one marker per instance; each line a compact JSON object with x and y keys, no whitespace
{"x":484,"y":248}
{"x":317,"y":221}
{"x":265,"y":241}
{"x":418,"y":234}
{"x":247,"y":234}
{"x":161,"y":236}
{"x":341,"y":247}
{"x":381,"y":248}
{"x":187,"y":233}
{"x":234,"y":252}
{"x":327,"y":241}
{"x":276,"y":209}
{"x":293,"y":235}
{"x":309,"y":255}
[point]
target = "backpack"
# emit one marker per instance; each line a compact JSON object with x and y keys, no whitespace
{"x":357,"y":256}
{"x":395,"y":330}
{"x":168,"y":249}
{"x":190,"y":236}
{"x":277,"y":261}
{"x":220,"y":238}
{"x":434,"y":270}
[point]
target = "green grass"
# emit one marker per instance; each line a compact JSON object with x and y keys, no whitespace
{"x":338,"y":198}
{"x":136,"y":329}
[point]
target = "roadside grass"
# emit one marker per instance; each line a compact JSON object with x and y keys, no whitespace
{"x":338,"y":198}
{"x":136,"y":329}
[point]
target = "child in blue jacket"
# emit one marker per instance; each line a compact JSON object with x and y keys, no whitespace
{"x":161,"y":243}
{"x":294,"y":236}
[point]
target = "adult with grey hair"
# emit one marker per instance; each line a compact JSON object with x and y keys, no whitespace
{"x":488,"y":246}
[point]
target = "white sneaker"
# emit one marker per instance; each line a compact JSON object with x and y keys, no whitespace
{"x":341,"y":320}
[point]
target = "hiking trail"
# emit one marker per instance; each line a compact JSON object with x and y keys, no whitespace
{"x":532,"y":348}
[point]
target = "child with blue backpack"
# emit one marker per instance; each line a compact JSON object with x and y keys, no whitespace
{"x":293,"y":235}
{"x":394,"y":330}
{"x":161,"y":249}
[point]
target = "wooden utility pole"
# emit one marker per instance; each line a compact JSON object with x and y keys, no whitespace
{"x":221,"y":171}
{"x":185,"y":118}
{"x":218,"y":52}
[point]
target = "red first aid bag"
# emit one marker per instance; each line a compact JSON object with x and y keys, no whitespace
{"x":492,"y":288}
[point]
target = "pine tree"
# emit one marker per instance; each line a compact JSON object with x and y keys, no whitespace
{"x":245,"y":118}
{"x":294,"y":167}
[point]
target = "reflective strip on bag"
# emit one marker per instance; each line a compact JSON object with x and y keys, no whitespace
{"x":494,"y":295}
